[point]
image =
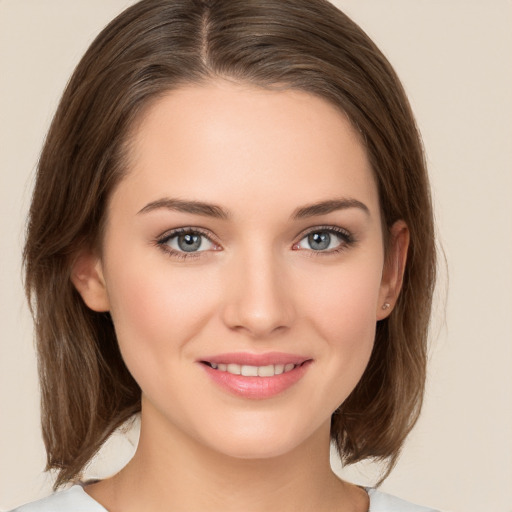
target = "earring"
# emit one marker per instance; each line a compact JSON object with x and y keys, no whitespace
{"x":386,"y":305}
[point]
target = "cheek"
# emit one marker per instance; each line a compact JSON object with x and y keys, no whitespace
{"x":343,"y":299}
{"x":349,"y":313}
{"x":342,"y":310}
{"x":156,"y":310}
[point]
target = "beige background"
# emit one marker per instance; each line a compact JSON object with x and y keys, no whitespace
{"x":454,"y":59}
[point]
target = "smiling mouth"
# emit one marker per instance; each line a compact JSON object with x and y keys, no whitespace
{"x":253,"y":371}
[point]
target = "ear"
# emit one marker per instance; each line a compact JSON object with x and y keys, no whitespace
{"x":394,"y":267}
{"x":87,"y":277}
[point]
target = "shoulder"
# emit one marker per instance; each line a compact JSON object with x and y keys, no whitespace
{"x":74,"y":499}
{"x":382,"y":502}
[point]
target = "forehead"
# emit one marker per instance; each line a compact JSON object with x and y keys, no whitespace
{"x":218,"y":140}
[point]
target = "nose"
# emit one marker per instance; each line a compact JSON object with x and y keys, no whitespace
{"x":259,"y":299}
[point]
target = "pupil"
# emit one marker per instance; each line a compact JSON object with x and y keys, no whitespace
{"x":189,"y":242}
{"x":319,"y":241}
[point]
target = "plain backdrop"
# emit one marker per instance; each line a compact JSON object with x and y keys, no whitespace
{"x":454,"y":58}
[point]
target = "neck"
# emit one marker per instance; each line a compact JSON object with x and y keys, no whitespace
{"x":170,"y":470}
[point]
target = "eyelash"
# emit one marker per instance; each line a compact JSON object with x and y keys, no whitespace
{"x":347,"y":240}
{"x":163,"y":240}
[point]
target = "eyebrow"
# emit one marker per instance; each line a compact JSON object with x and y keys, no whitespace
{"x":325,"y":207}
{"x":194,"y":207}
{"x":215,"y":211}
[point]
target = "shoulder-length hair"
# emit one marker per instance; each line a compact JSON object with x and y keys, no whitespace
{"x":156,"y":46}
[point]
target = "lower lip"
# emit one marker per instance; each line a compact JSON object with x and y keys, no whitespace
{"x":256,"y":388}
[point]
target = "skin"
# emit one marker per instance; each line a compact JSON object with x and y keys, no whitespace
{"x":258,"y":286}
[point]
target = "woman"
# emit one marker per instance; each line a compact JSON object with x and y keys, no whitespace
{"x":231,"y":233}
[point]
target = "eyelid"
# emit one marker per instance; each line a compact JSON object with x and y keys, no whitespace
{"x":346,"y":236}
{"x":162,"y":240}
{"x":329,"y":228}
{"x":186,"y":230}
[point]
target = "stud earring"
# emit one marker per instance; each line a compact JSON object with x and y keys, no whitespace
{"x":386,"y":305}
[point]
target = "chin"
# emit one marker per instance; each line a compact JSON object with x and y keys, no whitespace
{"x":252,"y":450}
{"x":260,"y":440}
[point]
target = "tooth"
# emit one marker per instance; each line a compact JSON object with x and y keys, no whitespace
{"x":253,"y":371}
{"x":234,"y":369}
{"x":266,"y":371}
{"x":249,"y":371}
{"x":279,"y":368}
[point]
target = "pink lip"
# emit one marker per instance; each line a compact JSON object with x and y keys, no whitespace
{"x":256,"y":388}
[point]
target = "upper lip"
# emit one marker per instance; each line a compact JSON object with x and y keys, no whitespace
{"x":249,"y":359}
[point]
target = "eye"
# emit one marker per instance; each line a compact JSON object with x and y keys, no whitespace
{"x":186,"y":241}
{"x":325,"y":240}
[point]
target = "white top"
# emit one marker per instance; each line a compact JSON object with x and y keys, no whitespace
{"x":75,"y":499}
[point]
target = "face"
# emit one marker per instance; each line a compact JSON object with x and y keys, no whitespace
{"x":243,"y":266}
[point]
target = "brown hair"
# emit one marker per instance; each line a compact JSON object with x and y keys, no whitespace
{"x":156,"y":46}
